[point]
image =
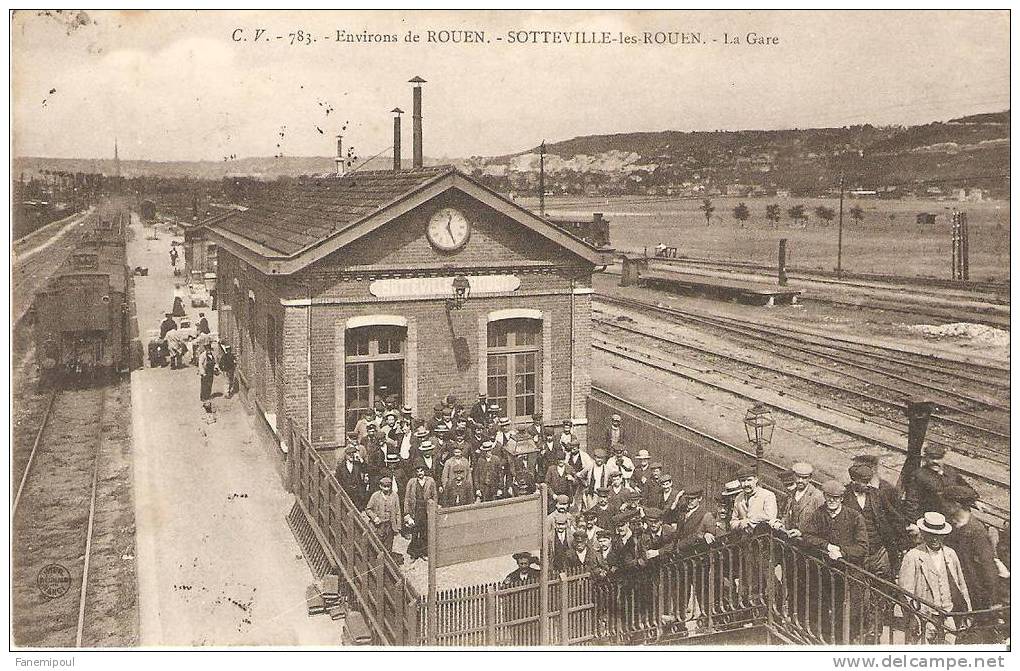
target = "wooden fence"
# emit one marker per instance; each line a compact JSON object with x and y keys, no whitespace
{"x":389,"y":603}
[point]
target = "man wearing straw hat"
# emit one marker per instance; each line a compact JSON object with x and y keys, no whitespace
{"x":932,"y":572}
{"x":383,"y":511}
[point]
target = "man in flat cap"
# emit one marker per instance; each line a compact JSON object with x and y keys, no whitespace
{"x":458,"y":491}
{"x":525,"y":572}
{"x":489,"y":474}
{"x":560,"y":479}
{"x":698,"y":523}
{"x":456,"y":461}
{"x":601,"y":509}
{"x":383,"y":512}
{"x":924,"y":490}
{"x":884,"y":538}
{"x":754,"y":505}
{"x":561,"y":510}
{"x":567,"y":434}
{"x":627,"y":551}
{"x":578,"y":459}
{"x":806,"y":498}
{"x":583,"y":553}
{"x":670,"y":499}
{"x":560,"y":541}
{"x":839,"y":533}
{"x":549,"y":453}
{"x":658,"y":538}
{"x":973,"y":546}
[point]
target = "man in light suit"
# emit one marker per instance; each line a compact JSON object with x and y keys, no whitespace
{"x":754,"y":505}
{"x":933,"y":572}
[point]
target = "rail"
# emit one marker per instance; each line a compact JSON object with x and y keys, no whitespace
{"x":389,"y":603}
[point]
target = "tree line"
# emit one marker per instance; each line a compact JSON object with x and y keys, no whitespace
{"x":773,"y":213}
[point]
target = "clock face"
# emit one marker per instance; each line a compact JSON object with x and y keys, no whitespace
{"x":448,"y":229}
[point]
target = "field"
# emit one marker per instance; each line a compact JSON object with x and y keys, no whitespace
{"x":888,"y":240}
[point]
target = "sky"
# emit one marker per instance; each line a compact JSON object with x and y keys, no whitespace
{"x":187,"y":85}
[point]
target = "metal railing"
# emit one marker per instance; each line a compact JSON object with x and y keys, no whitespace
{"x":389,"y":603}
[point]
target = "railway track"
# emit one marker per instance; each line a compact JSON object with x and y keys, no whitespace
{"x":794,"y":418}
{"x":52,"y":520}
{"x":852,"y":394}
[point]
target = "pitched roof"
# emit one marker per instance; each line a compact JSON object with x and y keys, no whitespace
{"x":292,"y":218}
{"x":295,"y":225}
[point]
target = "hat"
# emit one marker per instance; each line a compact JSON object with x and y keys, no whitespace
{"x":631,"y":495}
{"x":788,"y":477}
{"x":617,"y":418}
{"x":392,"y":413}
{"x":653,"y":514}
{"x":602,"y":491}
{"x":406,"y":410}
{"x":803,"y":469}
{"x":371,"y":427}
{"x":487,"y":445}
{"x":421,"y":432}
{"x":425,"y":445}
{"x":385,"y":481}
{"x":745,"y":472}
{"x":643,"y":454}
{"x":201,"y":314}
{"x":599,"y":452}
{"x":351,"y":449}
{"x":460,"y":434}
{"x":590,"y":515}
{"x":860,"y":473}
{"x":562,"y":499}
{"x":602,"y":533}
{"x":934,"y":451}
{"x":867,"y":459}
{"x":441,"y":428}
{"x":624,"y":517}
{"x":695,"y":493}
{"x":494,"y":407}
{"x":655,"y":464}
{"x":567,"y":422}
{"x":580,"y":534}
{"x":420,"y":465}
{"x":574,"y":443}
{"x":665,"y":477}
{"x":963,"y":495}
{"x":731,"y":488}
{"x":560,"y":518}
{"x":168,"y":314}
{"x":934,"y":523}
{"x":504,"y":421}
{"x":392,"y":458}
{"x":481,"y":394}
{"x":549,"y":434}
{"x":525,"y":555}
{"x":833,"y":488}
{"x":438,"y":407}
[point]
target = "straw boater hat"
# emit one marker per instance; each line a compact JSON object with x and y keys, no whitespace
{"x":731,"y":488}
{"x":803,"y":469}
{"x":643,"y":454}
{"x":421,"y":432}
{"x":934,"y":523}
{"x":525,"y":555}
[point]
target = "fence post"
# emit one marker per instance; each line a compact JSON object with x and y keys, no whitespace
{"x":433,"y":605}
{"x":543,"y":578}
{"x":564,"y":610}
{"x":490,"y":616}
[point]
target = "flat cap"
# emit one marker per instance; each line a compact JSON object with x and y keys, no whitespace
{"x":788,"y":477}
{"x":562,"y":499}
{"x":665,"y":477}
{"x":695,"y":493}
{"x":602,"y":533}
{"x":653,"y":513}
{"x":803,"y":469}
{"x":745,"y":472}
{"x":833,"y":488}
{"x":867,"y":459}
{"x":655,"y":464}
{"x":934,"y":451}
{"x":602,"y":491}
{"x":860,"y":472}
{"x":631,"y":495}
{"x":599,"y":452}
{"x":580,"y":534}
{"x":624,"y":517}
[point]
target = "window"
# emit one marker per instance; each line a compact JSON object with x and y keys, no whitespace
{"x":513,"y":366}
{"x":373,"y":368}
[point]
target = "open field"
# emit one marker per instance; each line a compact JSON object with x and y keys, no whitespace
{"x":887,"y":241}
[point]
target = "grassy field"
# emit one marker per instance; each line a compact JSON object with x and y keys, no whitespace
{"x":888,"y":240}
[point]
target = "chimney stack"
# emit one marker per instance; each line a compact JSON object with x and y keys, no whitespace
{"x":396,"y":138}
{"x":418,"y":160}
{"x":339,"y":155}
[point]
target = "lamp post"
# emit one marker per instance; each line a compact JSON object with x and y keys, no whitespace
{"x":758,"y":423}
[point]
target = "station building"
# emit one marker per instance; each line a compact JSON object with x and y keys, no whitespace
{"x":339,"y":291}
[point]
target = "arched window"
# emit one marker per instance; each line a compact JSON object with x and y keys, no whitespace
{"x":514,"y":366}
{"x":373,"y":368}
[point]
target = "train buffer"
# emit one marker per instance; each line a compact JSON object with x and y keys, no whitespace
{"x":739,"y":291}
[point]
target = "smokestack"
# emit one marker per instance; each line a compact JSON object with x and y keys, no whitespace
{"x":418,"y":161}
{"x":396,"y":138}
{"x":340,"y":155}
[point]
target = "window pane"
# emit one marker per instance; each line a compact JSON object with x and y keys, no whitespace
{"x":357,"y":345}
{"x":526,"y":337}
{"x":356,"y":386}
{"x":497,"y":381}
{"x":497,"y":335}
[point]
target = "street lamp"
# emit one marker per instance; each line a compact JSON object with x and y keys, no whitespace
{"x":461,"y":291}
{"x":759,"y":424}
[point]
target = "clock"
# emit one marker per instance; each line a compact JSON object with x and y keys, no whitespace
{"x":448,"y":229}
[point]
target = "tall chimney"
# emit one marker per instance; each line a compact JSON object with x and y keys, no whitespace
{"x":339,"y":155}
{"x":396,"y":138}
{"x":418,"y":161}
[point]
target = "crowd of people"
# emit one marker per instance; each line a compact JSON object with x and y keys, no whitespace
{"x":210,"y":356}
{"x":613,"y":511}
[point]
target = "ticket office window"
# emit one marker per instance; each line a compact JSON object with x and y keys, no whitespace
{"x":373,"y":368}
{"x":514,"y":366}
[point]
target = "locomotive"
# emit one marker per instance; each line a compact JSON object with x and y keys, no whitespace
{"x":81,"y":316}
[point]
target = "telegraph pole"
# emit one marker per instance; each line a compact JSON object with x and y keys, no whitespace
{"x":839,"y":248}
{"x":541,"y":178}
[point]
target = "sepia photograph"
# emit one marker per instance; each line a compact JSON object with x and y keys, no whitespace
{"x":510,"y":330}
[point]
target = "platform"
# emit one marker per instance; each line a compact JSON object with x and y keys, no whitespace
{"x":751,"y":293}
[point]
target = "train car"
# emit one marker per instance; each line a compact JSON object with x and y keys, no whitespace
{"x":81,"y":316}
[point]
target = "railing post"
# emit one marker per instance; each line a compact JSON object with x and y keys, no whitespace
{"x":564,"y":610}
{"x":490,"y":616}
{"x":710,"y":606}
{"x":770,"y":583}
{"x":433,"y":605}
